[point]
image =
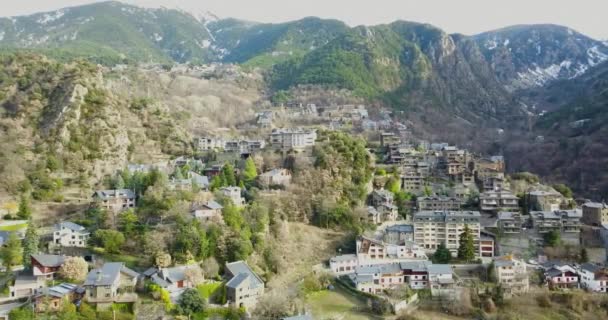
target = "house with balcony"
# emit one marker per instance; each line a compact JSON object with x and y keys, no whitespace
{"x":545,"y":221}
{"x":498,"y":200}
{"x":559,"y":275}
{"x":571,"y":220}
{"x":114,"y":200}
{"x":69,"y":234}
{"x":593,"y":277}
{"x":510,"y":222}
{"x":343,"y":264}
{"x":432,"y":228}
{"x":111,"y":283}
{"x":44,"y":266}
{"x":398,"y":234}
{"x":511,"y":274}
{"x":438,"y":203}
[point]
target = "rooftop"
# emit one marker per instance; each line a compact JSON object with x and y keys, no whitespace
{"x":241,"y":267}
{"x":117,"y":193}
{"x":408,"y":228}
{"x":49,"y":260}
{"x":70,"y":225}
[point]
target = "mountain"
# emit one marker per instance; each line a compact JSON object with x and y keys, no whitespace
{"x":266,"y":44}
{"x":569,"y":144}
{"x":411,"y":65}
{"x":64,"y":126}
{"x":527,"y":56}
{"x":111,"y":31}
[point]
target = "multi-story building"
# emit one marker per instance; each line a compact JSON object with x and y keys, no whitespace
{"x":68,"y":234}
{"x":412,"y":181}
{"x":595,"y":214}
{"x":438,"y":203}
{"x":293,"y":139}
{"x":511,"y":274}
{"x":244,"y":287}
{"x":240,"y":145}
{"x":562,"y":220}
{"x":510,"y":222}
{"x":434,"y":227}
{"x":593,"y":277}
{"x":498,"y":200}
{"x":398,"y":233}
{"x":114,"y":200}
{"x":381,"y":214}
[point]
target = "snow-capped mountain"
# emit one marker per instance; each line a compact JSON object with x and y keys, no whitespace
{"x":532,"y":55}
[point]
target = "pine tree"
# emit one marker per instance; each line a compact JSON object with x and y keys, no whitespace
{"x":466,"y":248}
{"x":442,"y":254}
{"x":25,"y":212}
{"x":227,"y":176}
{"x":249,"y":172}
{"x":12,"y":252}
{"x":584,"y":256}
{"x":178,"y":174}
{"x":491,"y":272}
{"x":119,"y":182}
{"x":30,"y":244}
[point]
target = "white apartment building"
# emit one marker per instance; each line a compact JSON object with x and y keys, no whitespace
{"x":434,"y":227}
{"x":68,"y":234}
{"x":296,"y":139}
{"x":512,"y":274}
{"x":593,"y":277}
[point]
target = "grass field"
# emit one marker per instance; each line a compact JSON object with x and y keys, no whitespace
{"x":206,"y":290}
{"x":13,"y":226}
{"x":337,"y":304}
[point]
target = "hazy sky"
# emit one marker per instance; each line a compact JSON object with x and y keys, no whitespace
{"x":465,"y":16}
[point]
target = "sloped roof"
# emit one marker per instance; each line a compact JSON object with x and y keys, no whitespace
{"x":118,"y":193}
{"x":49,"y":260}
{"x":241,"y":267}
{"x":237,"y":280}
{"x":108,"y":274}
{"x":70,"y":225}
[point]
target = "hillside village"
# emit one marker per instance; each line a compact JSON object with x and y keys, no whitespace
{"x":422,"y":221}
{"x":162,"y":164}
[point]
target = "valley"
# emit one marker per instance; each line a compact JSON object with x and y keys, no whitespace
{"x":167,"y":164}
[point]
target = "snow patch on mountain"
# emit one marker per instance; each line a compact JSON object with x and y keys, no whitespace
{"x":50,"y":17}
{"x":539,"y":76}
{"x":596,"y":56}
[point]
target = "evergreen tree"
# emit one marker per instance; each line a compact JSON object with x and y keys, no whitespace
{"x":216,"y":183}
{"x":249,"y":172}
{"x":119,"y":182}
{"x":498,"y":295}
{"x":491,"y":272}
{"x":12,"y":252}
{"x":442,"y":254}
{"x":552,"y":238}
{"x":25,"y":212}
{"x":466,"y":248}
{"x":30,"y":244}
{"x":227,"y":176}
{"x":584,"y":257}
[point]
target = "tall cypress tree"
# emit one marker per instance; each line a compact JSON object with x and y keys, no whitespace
{"x":466,"y":248}
{"x":30,"y":244}
{"x":25,"y":212}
